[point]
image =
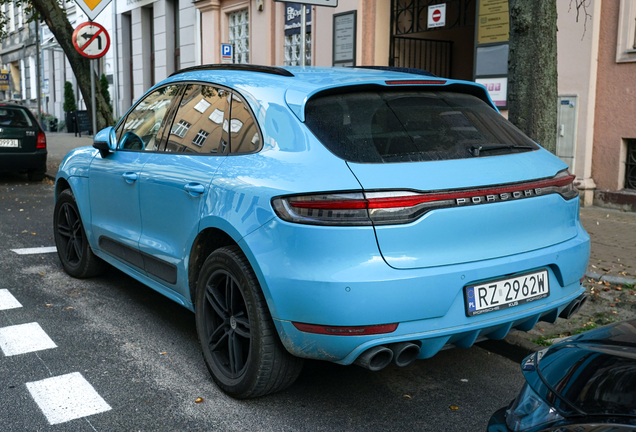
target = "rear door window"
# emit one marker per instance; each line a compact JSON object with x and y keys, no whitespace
{"x":14,"y":117}
{"x":384,"y":126}
{"x":198,"y":123}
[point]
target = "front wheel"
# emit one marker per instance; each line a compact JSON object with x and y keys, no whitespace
{"x":240,"y":346}
{"x":72,"y":245}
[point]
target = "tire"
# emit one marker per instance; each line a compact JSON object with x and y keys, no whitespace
{"x":35,"y":175}
{"x":240,"y":344}
{"x":72,"y":245}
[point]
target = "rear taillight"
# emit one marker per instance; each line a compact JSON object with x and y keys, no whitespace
{"x":41,"y":140}
{"x":400,"y":207}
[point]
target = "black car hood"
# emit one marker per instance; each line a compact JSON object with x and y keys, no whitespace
{"x":594,"y":372}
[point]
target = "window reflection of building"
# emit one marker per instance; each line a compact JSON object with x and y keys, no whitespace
{"x":202,"y":109}
{"x":146,"y":119}
{"x":244,"y":136}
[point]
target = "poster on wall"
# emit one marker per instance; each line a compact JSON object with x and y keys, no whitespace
{"x":344,"y":39}
{"x":493,"y":22}
{"x":497,"y":89}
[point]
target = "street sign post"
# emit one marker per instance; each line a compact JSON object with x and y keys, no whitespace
{"x":92,"y":8}
{"x":91,"y":40}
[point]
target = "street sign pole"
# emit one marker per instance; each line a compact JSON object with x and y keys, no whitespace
{"x":93,"y":96}
{"x":303,"y":35}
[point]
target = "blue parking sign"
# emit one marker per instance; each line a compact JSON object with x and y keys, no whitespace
{"x":226,"y":52}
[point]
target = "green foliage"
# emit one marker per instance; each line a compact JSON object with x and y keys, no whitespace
{"x":69,"y":97}
{"x":543,"y":341}
{"x":103,"y":83}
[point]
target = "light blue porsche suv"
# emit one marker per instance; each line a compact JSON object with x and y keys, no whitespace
{"x":354,"y":215}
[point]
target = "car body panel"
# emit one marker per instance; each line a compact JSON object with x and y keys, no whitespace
{"x":330,"y":275}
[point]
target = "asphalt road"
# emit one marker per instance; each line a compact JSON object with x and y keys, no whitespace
{"x":140,"y":354}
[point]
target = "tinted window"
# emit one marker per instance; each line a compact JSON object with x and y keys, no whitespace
{"x":141,"y":129}
{"x":409,"y":125}
{"x":14,"y":117}
{"x":244,"y":135}
{"x":198,"y":123}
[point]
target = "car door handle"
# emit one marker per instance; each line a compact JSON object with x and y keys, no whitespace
{"x":194,"y":189}
{"x":130,"y":177}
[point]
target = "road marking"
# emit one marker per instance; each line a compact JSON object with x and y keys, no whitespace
{"x":34,"y":251}
{"x":24,"y":338}
{"x":66,"y":397}
{"x":7,"y":301}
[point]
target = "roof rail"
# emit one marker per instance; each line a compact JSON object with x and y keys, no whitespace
{"x":240,"y":67}
{"x":398,"y":69}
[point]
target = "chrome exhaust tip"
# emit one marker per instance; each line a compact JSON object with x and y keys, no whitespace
{"x":375,"y":358}
{"x":404,"y":353}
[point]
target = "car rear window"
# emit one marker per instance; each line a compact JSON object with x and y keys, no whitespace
{"x":14,"y":117}
{"x":384,"y":126}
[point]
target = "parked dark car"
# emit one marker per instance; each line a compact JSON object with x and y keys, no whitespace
{"x":22,"y":142}
{"x":582,"y":384}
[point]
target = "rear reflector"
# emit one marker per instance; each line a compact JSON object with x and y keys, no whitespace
{"x":41,"y":140}
{"x":399,"y":206}
{"x":346,"y":331}
{"x":412,"y":82}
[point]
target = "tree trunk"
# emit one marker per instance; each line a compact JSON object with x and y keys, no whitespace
{"x":59,"y":25}
{"x":532,"y":67}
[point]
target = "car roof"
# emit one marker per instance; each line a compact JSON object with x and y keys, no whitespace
{"x":301,"y":83}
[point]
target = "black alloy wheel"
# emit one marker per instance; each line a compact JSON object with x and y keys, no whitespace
{"x":227,"y":324}
{"x":72,"y":245}
{"x":240,"y":344}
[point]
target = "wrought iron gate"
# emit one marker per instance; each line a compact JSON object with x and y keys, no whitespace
{"x":433,"y":56}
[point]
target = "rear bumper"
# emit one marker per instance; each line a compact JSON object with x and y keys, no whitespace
{"x":23,"y":161}
{"x":315,"y":275}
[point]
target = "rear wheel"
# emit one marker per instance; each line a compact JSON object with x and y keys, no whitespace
{"x":240,"y":346}
{"x":72,"y":245}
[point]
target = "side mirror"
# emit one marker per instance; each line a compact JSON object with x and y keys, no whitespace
{"x":105,"y":141}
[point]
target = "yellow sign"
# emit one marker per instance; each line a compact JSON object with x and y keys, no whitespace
{"x":92,"y":8}
{"x":493,"y":24}
{"x":4,"y":79}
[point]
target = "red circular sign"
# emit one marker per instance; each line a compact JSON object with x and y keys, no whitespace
{"x":91,"y":40}
{"x":437,"y":15}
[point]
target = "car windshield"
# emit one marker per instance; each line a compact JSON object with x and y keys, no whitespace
{"x":380,"y":126}
{"x":15,"y":117}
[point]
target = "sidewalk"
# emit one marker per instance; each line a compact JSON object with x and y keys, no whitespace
{"x":58,"y":145}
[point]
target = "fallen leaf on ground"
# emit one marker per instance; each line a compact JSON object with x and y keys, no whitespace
{"x":406,"y":397}
{"x":199,"y":400}
{"x":617,"y":288}
{"x":454,"y":407}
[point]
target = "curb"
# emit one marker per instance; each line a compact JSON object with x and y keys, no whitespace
{"x":611,"y":279}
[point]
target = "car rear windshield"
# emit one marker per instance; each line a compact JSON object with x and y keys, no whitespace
{"x":383,"y":126}
{"x":15,"y":117}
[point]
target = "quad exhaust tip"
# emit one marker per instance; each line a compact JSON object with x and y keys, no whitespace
{"x":379,"y":357}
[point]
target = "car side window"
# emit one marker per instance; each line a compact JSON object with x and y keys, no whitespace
{"x":198,"y":123}
{"x":244,"y":134}
{"x":142,"y":128}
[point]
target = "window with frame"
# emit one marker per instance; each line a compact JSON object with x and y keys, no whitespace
{"x":630,"y":164}
{"x":626,"y":37}
{"x":240,"y":35}
{"x":292,"y":50}
{"x":198,"y":126}
{"x":143,"y":127}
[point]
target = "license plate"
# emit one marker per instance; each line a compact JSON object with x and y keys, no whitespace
{"x":506,"y":293}
{"x":9,"y":143}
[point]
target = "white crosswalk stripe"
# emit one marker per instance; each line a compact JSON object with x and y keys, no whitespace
{"x":66,"y":397}
{"x":7,"y":301}
{"x":24,"y":338}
